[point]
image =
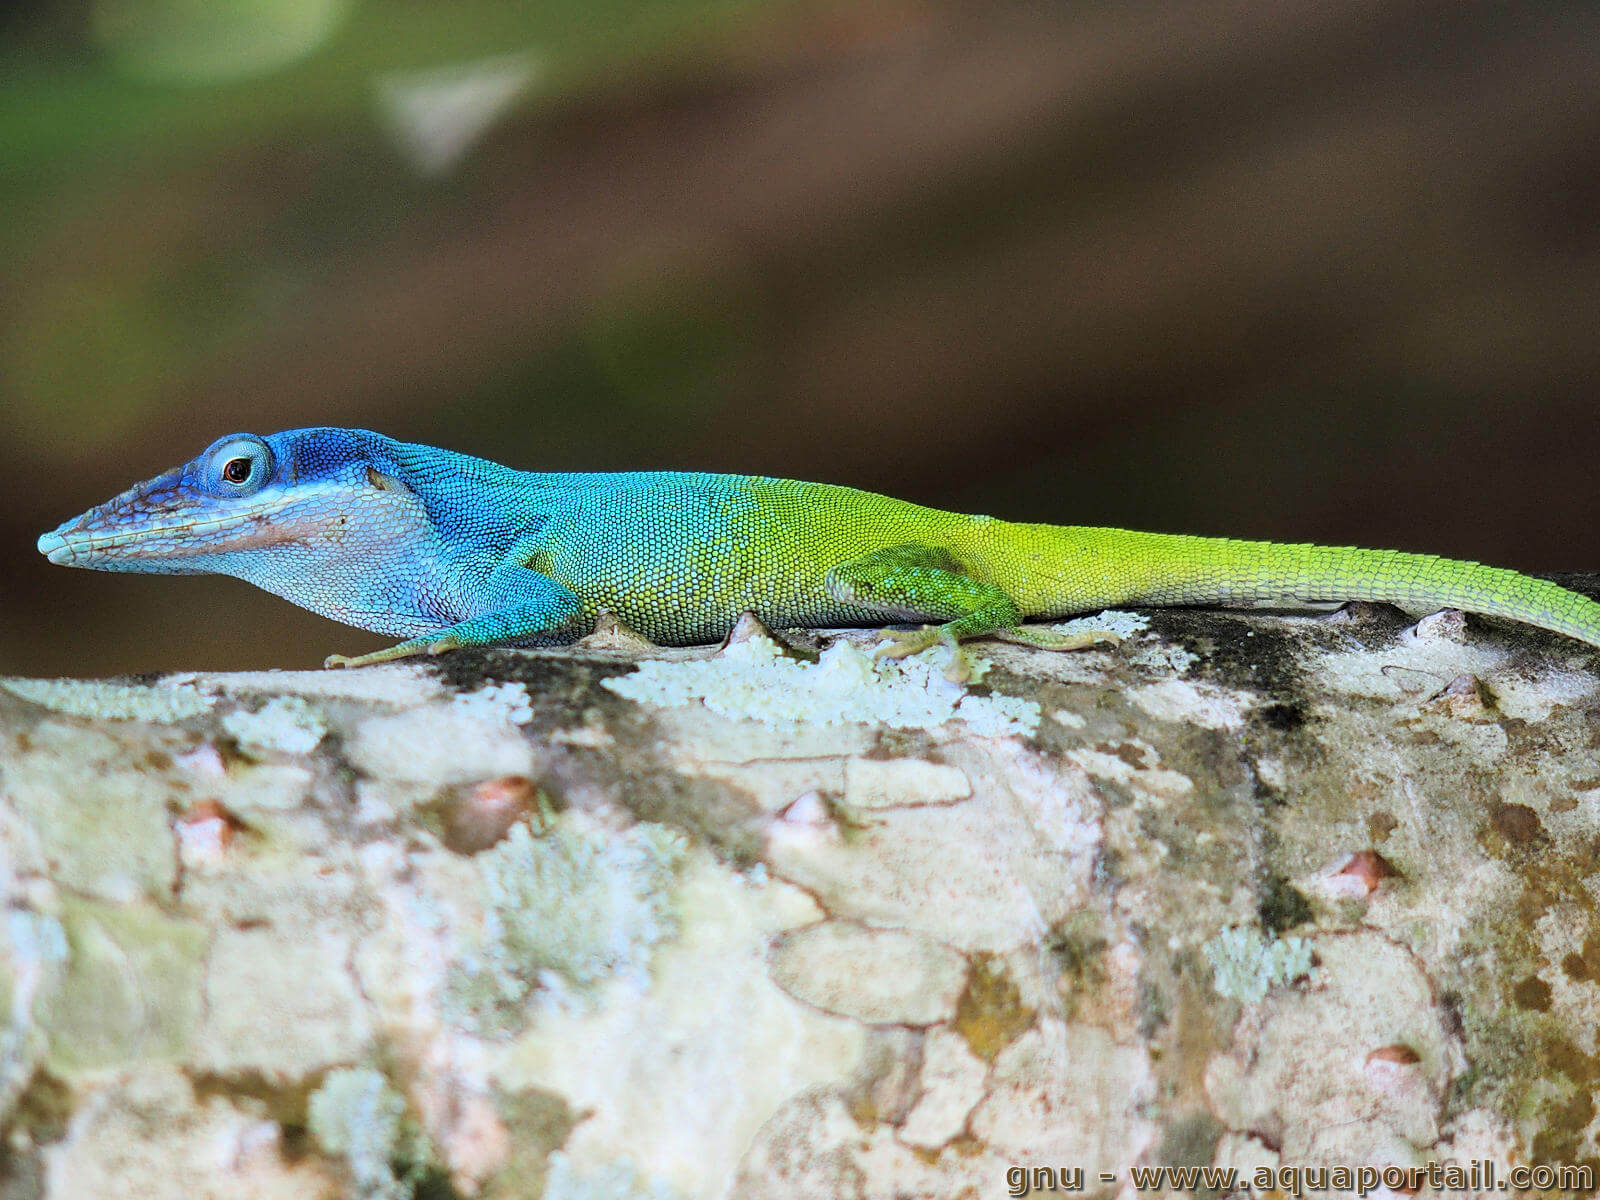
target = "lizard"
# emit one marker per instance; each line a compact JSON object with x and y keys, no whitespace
{"x":448,"y":551}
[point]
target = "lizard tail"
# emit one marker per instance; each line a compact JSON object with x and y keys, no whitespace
{"x":1056,"y":570}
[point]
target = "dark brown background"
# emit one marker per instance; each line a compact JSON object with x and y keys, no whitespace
{"x":1323,"y":272}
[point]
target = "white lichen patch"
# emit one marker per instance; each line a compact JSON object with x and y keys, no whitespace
{"x":999,"y":716}
{"x":163,"y":704}
{"x":1246,"y":966}
{"x":1479,"y":742}
{"x":754,"y":681}
{"x":565,"y":912}
{"x":285,"y":725}
{"x":508,"y":702}
{"x":586,"y":736}
{"x":1112,"y":620}
{"x":357,"y":1116}
{"x":1161,"y":658}
{"x":881,"y":976}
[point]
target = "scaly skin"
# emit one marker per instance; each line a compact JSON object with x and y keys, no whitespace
{"x":449,"y":551}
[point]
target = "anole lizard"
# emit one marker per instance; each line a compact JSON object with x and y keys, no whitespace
{"x":448,"y":551}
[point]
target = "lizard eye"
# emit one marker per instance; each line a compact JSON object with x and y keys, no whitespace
{"x":238,"y":465}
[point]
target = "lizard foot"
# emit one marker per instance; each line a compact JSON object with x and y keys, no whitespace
{"x":1049,"y":639}
{"x":903,"y":643}
{"x":350,"y":660}
{"x":404,"y":650}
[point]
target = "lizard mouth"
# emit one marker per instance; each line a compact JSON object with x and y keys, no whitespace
{"x":71,"y":550}
{"x":56,"y":548}
{"x":76,"y":547}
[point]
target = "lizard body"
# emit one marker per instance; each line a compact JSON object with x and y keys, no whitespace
{"x":446,"y":550}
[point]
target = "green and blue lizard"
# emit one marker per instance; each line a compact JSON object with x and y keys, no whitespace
{"x":449,"y":551}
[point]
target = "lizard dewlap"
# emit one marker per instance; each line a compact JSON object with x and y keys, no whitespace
{"x":446,"y":551}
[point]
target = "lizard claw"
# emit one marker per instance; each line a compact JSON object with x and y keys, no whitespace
{"x":903,"y":643}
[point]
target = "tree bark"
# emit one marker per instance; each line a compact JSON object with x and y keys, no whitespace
{"x":1249,"y":890}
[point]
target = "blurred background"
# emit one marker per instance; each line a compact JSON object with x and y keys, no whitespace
{"x":1301,"y":271}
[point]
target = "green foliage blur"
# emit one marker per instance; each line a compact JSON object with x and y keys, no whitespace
{"x":1308,"y":272}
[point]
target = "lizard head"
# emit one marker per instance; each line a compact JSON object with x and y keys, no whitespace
{"x":306,"y":489}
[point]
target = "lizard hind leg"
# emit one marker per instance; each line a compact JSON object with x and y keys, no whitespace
{"x":913,"y":581}
{"x":916,"y":582}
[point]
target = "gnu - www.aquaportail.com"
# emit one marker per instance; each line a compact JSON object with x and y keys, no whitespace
{"x":1476,"y":1176}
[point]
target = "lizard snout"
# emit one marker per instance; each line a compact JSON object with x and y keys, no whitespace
{"x":56,"y":548}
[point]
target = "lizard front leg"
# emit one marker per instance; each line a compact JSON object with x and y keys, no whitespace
{"x":918,"y":582}
{"x":517,"y":603}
